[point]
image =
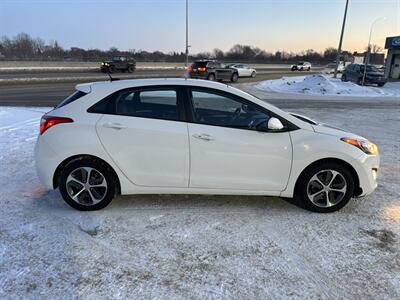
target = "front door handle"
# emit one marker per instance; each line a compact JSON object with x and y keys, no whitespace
{"x":117,"y":126}
{"x":203,"y":136}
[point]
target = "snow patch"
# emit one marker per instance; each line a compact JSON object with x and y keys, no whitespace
{"x":327,"y":85}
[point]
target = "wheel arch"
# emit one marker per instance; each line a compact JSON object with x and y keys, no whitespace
{"x":349,"y":167}
{"x":60,"y":167}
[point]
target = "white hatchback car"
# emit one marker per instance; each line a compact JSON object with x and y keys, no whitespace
{"x":180,"y":136}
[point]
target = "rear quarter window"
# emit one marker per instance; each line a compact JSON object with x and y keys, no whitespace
{"x":71,"y":98}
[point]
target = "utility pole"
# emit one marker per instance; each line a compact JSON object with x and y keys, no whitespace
{"x":341,"y":40}
{"x":187,"y":35}
{"x":368,"y":54}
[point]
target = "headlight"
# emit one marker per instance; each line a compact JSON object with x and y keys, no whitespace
{"x":364,"y":145}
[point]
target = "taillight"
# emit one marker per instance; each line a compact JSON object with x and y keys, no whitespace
{"x":48,"y":121}
{"x":201,"y":69}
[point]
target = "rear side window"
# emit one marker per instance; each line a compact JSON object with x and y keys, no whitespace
{"x":155,"y":104}
{"x":71,"y":98}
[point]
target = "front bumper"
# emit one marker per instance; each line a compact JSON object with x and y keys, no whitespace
{"x":375,"y":80}
{"x":367,"y":167}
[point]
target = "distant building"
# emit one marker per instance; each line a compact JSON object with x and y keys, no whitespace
{"x":374,"y":58}
{"x":392,"y":68}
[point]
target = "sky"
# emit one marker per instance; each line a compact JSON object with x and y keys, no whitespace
{"x":272,"y":25}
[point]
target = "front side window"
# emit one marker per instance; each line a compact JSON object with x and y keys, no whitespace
{"x":156,"y":104}
{"x":222,"y":110}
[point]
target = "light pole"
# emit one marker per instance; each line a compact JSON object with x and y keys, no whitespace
{"x":341,"y":40}
{"x":187,"y":35}
{"x":366,"y":59}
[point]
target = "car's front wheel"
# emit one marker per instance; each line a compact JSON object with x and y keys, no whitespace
{"x":87,"y":184}
{"x":325,"y":188}
{"x":131,"y":69}
{"x":253,"y":74}
{"x":344,"y":78}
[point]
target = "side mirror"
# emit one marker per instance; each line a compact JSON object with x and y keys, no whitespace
{"x":274,"y":124}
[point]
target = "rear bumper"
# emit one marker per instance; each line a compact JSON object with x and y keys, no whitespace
{"x":46,"y":162}
{"x":367,"y":168}
{"x":197,"y":76}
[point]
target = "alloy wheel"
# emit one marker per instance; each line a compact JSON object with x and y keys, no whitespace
{"x":326,"y":188}
{"x":86,"y":186}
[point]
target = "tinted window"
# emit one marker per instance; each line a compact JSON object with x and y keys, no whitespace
{"x":157,"y":104}
{"x":221,"y":110}
{"x":71,"y":98}
{"x":199,"y":64}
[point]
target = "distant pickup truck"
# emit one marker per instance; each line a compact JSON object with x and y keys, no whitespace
{"x":118,"y":63}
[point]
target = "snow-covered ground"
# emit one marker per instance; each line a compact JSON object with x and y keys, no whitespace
{"x":197,"y":247}
{"x":327,"y":85}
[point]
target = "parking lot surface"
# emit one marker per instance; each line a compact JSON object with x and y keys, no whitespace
{"x":189,"y":246}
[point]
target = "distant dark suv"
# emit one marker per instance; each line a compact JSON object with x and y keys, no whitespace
{"x":355,"y":73}
{"x":212,"y":70}
{"x":120,"y":63}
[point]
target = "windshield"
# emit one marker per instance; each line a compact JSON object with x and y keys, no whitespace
{"x":371,"y":69}
{"x":116,"y":58}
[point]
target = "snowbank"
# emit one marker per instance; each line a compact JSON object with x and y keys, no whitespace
{"x":327,"y":85}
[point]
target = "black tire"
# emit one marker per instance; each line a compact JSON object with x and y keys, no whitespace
{"x":131,"y":69}
{"x":100,"y":167}
{"x":253,"y":74}
{"x":211,"y":77}
{"x":309,"y":69}
{"x":301,"y":196}
{"x":235,"y":77}
{"x":381,"y":84}
{"x":111,"y":69}
{"x":360,"y":81}
{"x":344,"y":78}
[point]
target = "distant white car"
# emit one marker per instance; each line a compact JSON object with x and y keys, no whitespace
{"x":244,"y":70}
{"x":178,"y":136}
{"x":301,"y":66}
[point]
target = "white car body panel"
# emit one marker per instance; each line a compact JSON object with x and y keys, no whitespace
{"x":244,"y":71}
{"x":239,"y":159}
{"x":155,"y":156}
{"x":149,"y":152}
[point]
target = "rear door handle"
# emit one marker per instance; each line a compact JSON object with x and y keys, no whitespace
{"x":117,"y":126}
{"x":203,"y":136}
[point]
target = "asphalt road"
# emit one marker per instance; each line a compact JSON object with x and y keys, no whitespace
{"x":51,"y":93}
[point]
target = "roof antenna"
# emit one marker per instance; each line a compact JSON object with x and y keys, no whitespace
{"x":111,"y":78}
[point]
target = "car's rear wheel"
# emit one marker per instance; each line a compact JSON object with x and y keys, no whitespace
{"x":211,"y":77}
{"x":87,"y":184}
{"x":253,"y":74}
{"x":234,"y":77}
{"x":131,"y":69}
{"x":325,"y":188}
{"x":344,"y":78}
{"x":308,"y":69}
